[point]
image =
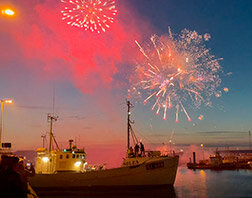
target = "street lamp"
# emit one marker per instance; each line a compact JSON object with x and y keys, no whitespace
{"x":2,"y":101}
{"x":8,"y":12}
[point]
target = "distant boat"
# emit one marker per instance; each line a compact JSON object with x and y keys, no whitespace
{"x":218,"y":162}
{"x":66,"y":170}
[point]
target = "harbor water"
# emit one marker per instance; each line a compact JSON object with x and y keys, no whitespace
{"x":189,"y":183}
{"x":211,"y":183}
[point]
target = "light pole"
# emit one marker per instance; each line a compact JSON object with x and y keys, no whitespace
{"x":2,"y":101}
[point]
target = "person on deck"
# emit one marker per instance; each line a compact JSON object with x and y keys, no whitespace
{"x":136,"y":150}
{"x":142,"y":149}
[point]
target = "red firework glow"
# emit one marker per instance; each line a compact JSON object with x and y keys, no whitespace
{"x":93,"y":15}
{"x":51,"y":50}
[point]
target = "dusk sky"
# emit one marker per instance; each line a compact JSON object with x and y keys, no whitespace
{"x":90,"y":73}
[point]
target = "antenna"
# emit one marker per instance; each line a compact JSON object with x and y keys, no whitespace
{"x":129,"y":122}
{"x":51,"y":119}
{"x":53,"y":104}
{"x":43,"y":139}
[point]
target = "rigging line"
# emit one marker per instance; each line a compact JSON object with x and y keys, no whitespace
{"x":32,"y":107}
{"x":55,"y":142}
{"x":150,"y":142}
{"x":133,"y":136}
{"x":133,"y":139}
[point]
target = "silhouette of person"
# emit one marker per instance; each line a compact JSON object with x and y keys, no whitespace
{"x":24,"y":173}
{"x":10,"y":181}
{"x":142,"y":149}
{"x":136,"y":150}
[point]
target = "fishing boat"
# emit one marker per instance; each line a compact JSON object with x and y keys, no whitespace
{"x":147,"y":169}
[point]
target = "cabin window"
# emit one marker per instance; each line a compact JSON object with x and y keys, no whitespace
{"x":83,"y":156}
{"x":67,"y":156}
{"x":73,"y":156}
{"x":61,"y":156}
{"x":77,"y":156}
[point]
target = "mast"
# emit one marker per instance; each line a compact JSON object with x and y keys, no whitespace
{"x":129,"y":128}
{"x":128,"y":124}
{"x":43,"y":138}
{"x":51,"y":119}
{"x":250,"y":140}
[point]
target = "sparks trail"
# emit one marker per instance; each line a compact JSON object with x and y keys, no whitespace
{"x":93,"y":15}
{"x":176,"y":70}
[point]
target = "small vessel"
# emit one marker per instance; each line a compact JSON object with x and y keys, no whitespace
{"x":52,"y":161}
{"x":221,"y":162}
{"x":149,"y":168}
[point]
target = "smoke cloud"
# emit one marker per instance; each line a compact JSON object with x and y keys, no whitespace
{"x":57,"y":50}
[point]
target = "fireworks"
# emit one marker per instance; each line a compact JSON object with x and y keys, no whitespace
{"x":176,"y":71}
{"x":93,"y":15}
{"x":201,"y":117}
{"x":226,"y":89}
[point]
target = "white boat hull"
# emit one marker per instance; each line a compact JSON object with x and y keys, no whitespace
{"x":160,"y":171}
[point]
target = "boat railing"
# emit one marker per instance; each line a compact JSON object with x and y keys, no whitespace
{"x":151,"y":153}
{"x":170,"y":153}
{"x":94,"y":167}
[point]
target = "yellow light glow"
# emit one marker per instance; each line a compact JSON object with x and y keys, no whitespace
{"x":77,"y":164}
{"x":8,"y":12}
{"x":8,"y":101}
{"x":202,"y":145}
{"x":45,"y":159}
{"x":202,"y":173}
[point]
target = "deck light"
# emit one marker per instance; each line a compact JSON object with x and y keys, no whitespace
{"x":45,"y":159}
{"x":77,"y":164}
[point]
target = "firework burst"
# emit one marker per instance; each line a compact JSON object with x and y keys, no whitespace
{"x":175,"y":71}
{"x":93,"y":15}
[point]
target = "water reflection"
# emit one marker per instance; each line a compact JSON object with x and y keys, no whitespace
{"x":189,"y":183}
{"x":209,"y":183}
{"x":162,"y":192}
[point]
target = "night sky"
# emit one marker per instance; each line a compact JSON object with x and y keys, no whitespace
{"x":39,"y":53}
